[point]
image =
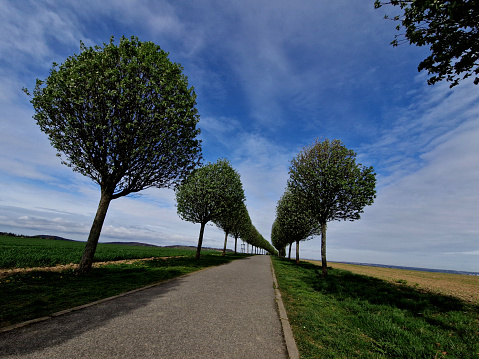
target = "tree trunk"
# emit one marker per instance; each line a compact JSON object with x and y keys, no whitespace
{"x":236,"y":243}
{"x":226,"y":239}
{"x":92,"y":242}
{"x":289,"y":253}
{"x":297,"y":252}
{"x":324,"y":263}
{"x":200,"y":240}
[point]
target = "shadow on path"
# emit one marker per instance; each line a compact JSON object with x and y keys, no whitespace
{"x":60,"y":329}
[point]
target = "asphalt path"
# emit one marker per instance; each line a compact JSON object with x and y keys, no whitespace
{"x":227,"y":311}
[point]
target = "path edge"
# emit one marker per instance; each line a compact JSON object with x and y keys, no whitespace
{"x":291,"y":347}
{"x":91,"y":304}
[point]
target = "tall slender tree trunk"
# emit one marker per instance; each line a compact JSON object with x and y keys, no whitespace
{"x":324,"y":263}
{"x":92,"y":242}
{"x":236,"y":243}
{"x":200,"y":240}
{"x":226,"y":239}
{"x":289,"y":253}
{"x":297,"y":252}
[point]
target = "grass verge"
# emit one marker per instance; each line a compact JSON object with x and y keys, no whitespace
{"x":348,"y":315}
{"x":26,"y":296}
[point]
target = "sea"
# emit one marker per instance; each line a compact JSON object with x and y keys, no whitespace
{"x":413,"y":268}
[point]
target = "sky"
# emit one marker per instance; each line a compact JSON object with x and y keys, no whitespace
{"x":270,"y":78}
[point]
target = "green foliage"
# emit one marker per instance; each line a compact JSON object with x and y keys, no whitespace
{"x":278,"y":239}
{"x":327,"y":179}
{"x":254,"y":238}
{"x":328,"y":185}
{"x":209,"y":192}
{"x":451,"y":30}
{"x":241,"y":223}
{"x":121,"y":115}
{"x":294,"y":221}
{"x":352,"y":316}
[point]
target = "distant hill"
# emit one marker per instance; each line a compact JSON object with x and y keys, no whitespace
{"x":57,"y":238}
{"x":132,"y":244}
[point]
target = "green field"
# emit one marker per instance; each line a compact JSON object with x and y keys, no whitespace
{"x":34,"y":294}
{"x":348,"y":315}
{"x":20,"y":252}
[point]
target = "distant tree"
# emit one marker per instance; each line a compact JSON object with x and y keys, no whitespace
{"x":123,"y":116}
{"x":232,"y":217}
{"x":241,"y":224}
{"x":450,"y":28}
{"x":330,"y":183}
{"x":278,"y":239}
{"x":295,"y":220}
{"x":207,"y":194}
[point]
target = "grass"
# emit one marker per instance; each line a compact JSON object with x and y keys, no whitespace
{"x":30,"y":295}
{"x":20,"y":252}
{"x":348,"y":315}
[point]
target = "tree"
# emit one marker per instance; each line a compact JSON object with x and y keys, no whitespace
{"x":330,"y":183}
{"x":232,"y":217}
{"x":294,"y":220}
{"x":207,"y":194}
{"x":451,"y":30}
{"x":278,"y":239}
{"x":123,"y":116}
{"x":241,"y":224}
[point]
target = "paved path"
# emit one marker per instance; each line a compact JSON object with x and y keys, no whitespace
{"x":222,"y":312}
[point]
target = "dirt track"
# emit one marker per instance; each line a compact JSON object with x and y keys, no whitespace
{"x":465,"y":287}
{"x":63,"y":267}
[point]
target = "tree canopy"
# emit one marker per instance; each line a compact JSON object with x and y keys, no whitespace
{"x":294,"y":221}
{"x":235,"y":223}
{"x":450,"y":28}
{"x":122,"y":115}
{"x":331,"y":185}
{"x":209,"y":193}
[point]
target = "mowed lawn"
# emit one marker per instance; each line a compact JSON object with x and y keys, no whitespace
{"x":349,"y":315}
{"x":53,"y":286}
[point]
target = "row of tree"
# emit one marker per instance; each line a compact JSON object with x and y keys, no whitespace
{"x":214,"y":193}
{"x":124,"y":116}
{"x":325,"y":184}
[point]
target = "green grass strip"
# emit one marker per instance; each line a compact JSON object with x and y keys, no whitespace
{"x":353,"y":316}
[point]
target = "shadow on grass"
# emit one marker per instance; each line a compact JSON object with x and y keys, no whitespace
{"x":344,"y":285}
{"x":351,"y":315}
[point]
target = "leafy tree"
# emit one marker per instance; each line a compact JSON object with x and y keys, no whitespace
{"x":208,"y":194}
{"x":257,"y":241}
{"x":123,"y":116}
{"x":330,"y":183}
{"x":240,"y":226}
{"x":294,"y":220}
{"x":278,"y":239}
{"x":451,"y":30}
{"x":232,"y":217}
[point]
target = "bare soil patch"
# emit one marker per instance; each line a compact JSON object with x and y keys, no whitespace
{"x":465,"y":287}
{"x":72,"y":266}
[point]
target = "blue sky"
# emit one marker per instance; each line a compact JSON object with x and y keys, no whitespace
{"x":270,"y":77}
